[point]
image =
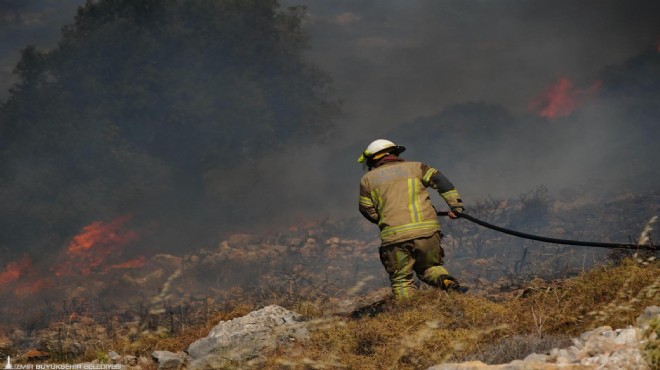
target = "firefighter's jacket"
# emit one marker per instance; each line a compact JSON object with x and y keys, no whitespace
{"x":394,"y":196}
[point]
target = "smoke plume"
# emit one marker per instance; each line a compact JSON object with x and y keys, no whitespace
{"x":500,"y":96}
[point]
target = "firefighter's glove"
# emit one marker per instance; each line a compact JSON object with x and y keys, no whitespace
{"x":457,"y":210}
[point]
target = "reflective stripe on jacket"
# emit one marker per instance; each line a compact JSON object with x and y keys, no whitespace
{"x":394,"y":196}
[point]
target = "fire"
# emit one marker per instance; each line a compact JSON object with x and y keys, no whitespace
{"x":32,"y":287}
{"x":21,"y":274}
{"x":132,"y":264}
{"x":98,"y":233}
{"x":14,"y":271}
{"x":556,"y":100}
{"x":94,"y":245}
{"x":561,"y":98}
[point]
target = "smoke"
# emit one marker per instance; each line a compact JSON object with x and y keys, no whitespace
{"x":452,"y":81}
{"x":395,"y":60}
{"x":421,"y":72}
{"x":501,"y":96}
{"x":29,"y":22}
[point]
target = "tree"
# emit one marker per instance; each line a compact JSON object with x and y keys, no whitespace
{"x":142,"y":101}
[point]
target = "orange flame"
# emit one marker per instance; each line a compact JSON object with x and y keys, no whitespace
{"x":14,"y":271}
{"x":132,"y":264}
{"x":561,"y":98}
{"x":32,"y":287}
{"x":100,"y":233}
{"x":21,"y":274}
{"x":95,"y":243}
{"x":93,"y":247}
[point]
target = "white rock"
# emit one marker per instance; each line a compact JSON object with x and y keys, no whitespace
{"x":168,"y":360}
{"x":243,"y":339}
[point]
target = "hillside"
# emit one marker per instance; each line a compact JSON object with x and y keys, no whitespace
{"x":435,"y":327}
{"x":559,"y":324}
{"x":525,"y":296}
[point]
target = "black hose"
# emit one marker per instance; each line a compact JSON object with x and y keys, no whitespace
{"x":551,"y":240}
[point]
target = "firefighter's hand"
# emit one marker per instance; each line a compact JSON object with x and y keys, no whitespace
{"x":455,"y":213}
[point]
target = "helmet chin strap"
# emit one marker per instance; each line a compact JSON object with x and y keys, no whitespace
{"x":371,"y":163}
{"x":379,"y":156}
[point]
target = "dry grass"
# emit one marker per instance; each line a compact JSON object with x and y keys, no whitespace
{"x":434,"y":327}
{"x":89,"y":346}
{"x":149,"y":342}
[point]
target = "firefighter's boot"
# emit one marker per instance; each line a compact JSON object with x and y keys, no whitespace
{"x":448,"y":282}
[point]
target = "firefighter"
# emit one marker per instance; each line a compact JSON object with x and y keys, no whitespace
{"x":393,"y":195}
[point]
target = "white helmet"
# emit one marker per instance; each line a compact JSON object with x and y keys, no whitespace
{"x":380,"y":146}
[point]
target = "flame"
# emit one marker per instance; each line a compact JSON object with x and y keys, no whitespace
{"x":15,"y":270}
{"x":94,"y":245}
{"x":32,"y":287}
{"x":132,"y":264}
{"x":100,"y":233}
{"x":557,"y":99}
{"x":561,"y":98}
{"x":22,"y":274}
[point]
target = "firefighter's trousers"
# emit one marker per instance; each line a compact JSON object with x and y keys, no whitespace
{"x":422,"y":256}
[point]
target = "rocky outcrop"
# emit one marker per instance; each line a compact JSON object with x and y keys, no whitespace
{"x":169,"y":360}
{"x":601,"y":348}
{"x":243,"y":340}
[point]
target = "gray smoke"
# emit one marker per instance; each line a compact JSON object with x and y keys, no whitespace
{"x":23,"y":22}
{"x":404,"y":69}
{"x":398,"y":63}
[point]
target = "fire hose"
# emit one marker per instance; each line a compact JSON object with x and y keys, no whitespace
{"x":550,"y":240}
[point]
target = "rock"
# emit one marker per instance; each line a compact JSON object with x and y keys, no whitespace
{"x":113,"y":356}
{"x":128,"y":360}
{"x":168,"y":360}
{"x":237,"y":240}
{"x":333,"y":240}
{"x":242,"y":341}
{"x":361,"y":306}
{"x":626,"y":337}
{"x":144,"y":361}
{"x":649,"y":314}
{"x":564,"y":356}
{"x":601,"y":348}
{"x":649,"y":324}
{"x":471,"y":365}
{"x":536,"y":358}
